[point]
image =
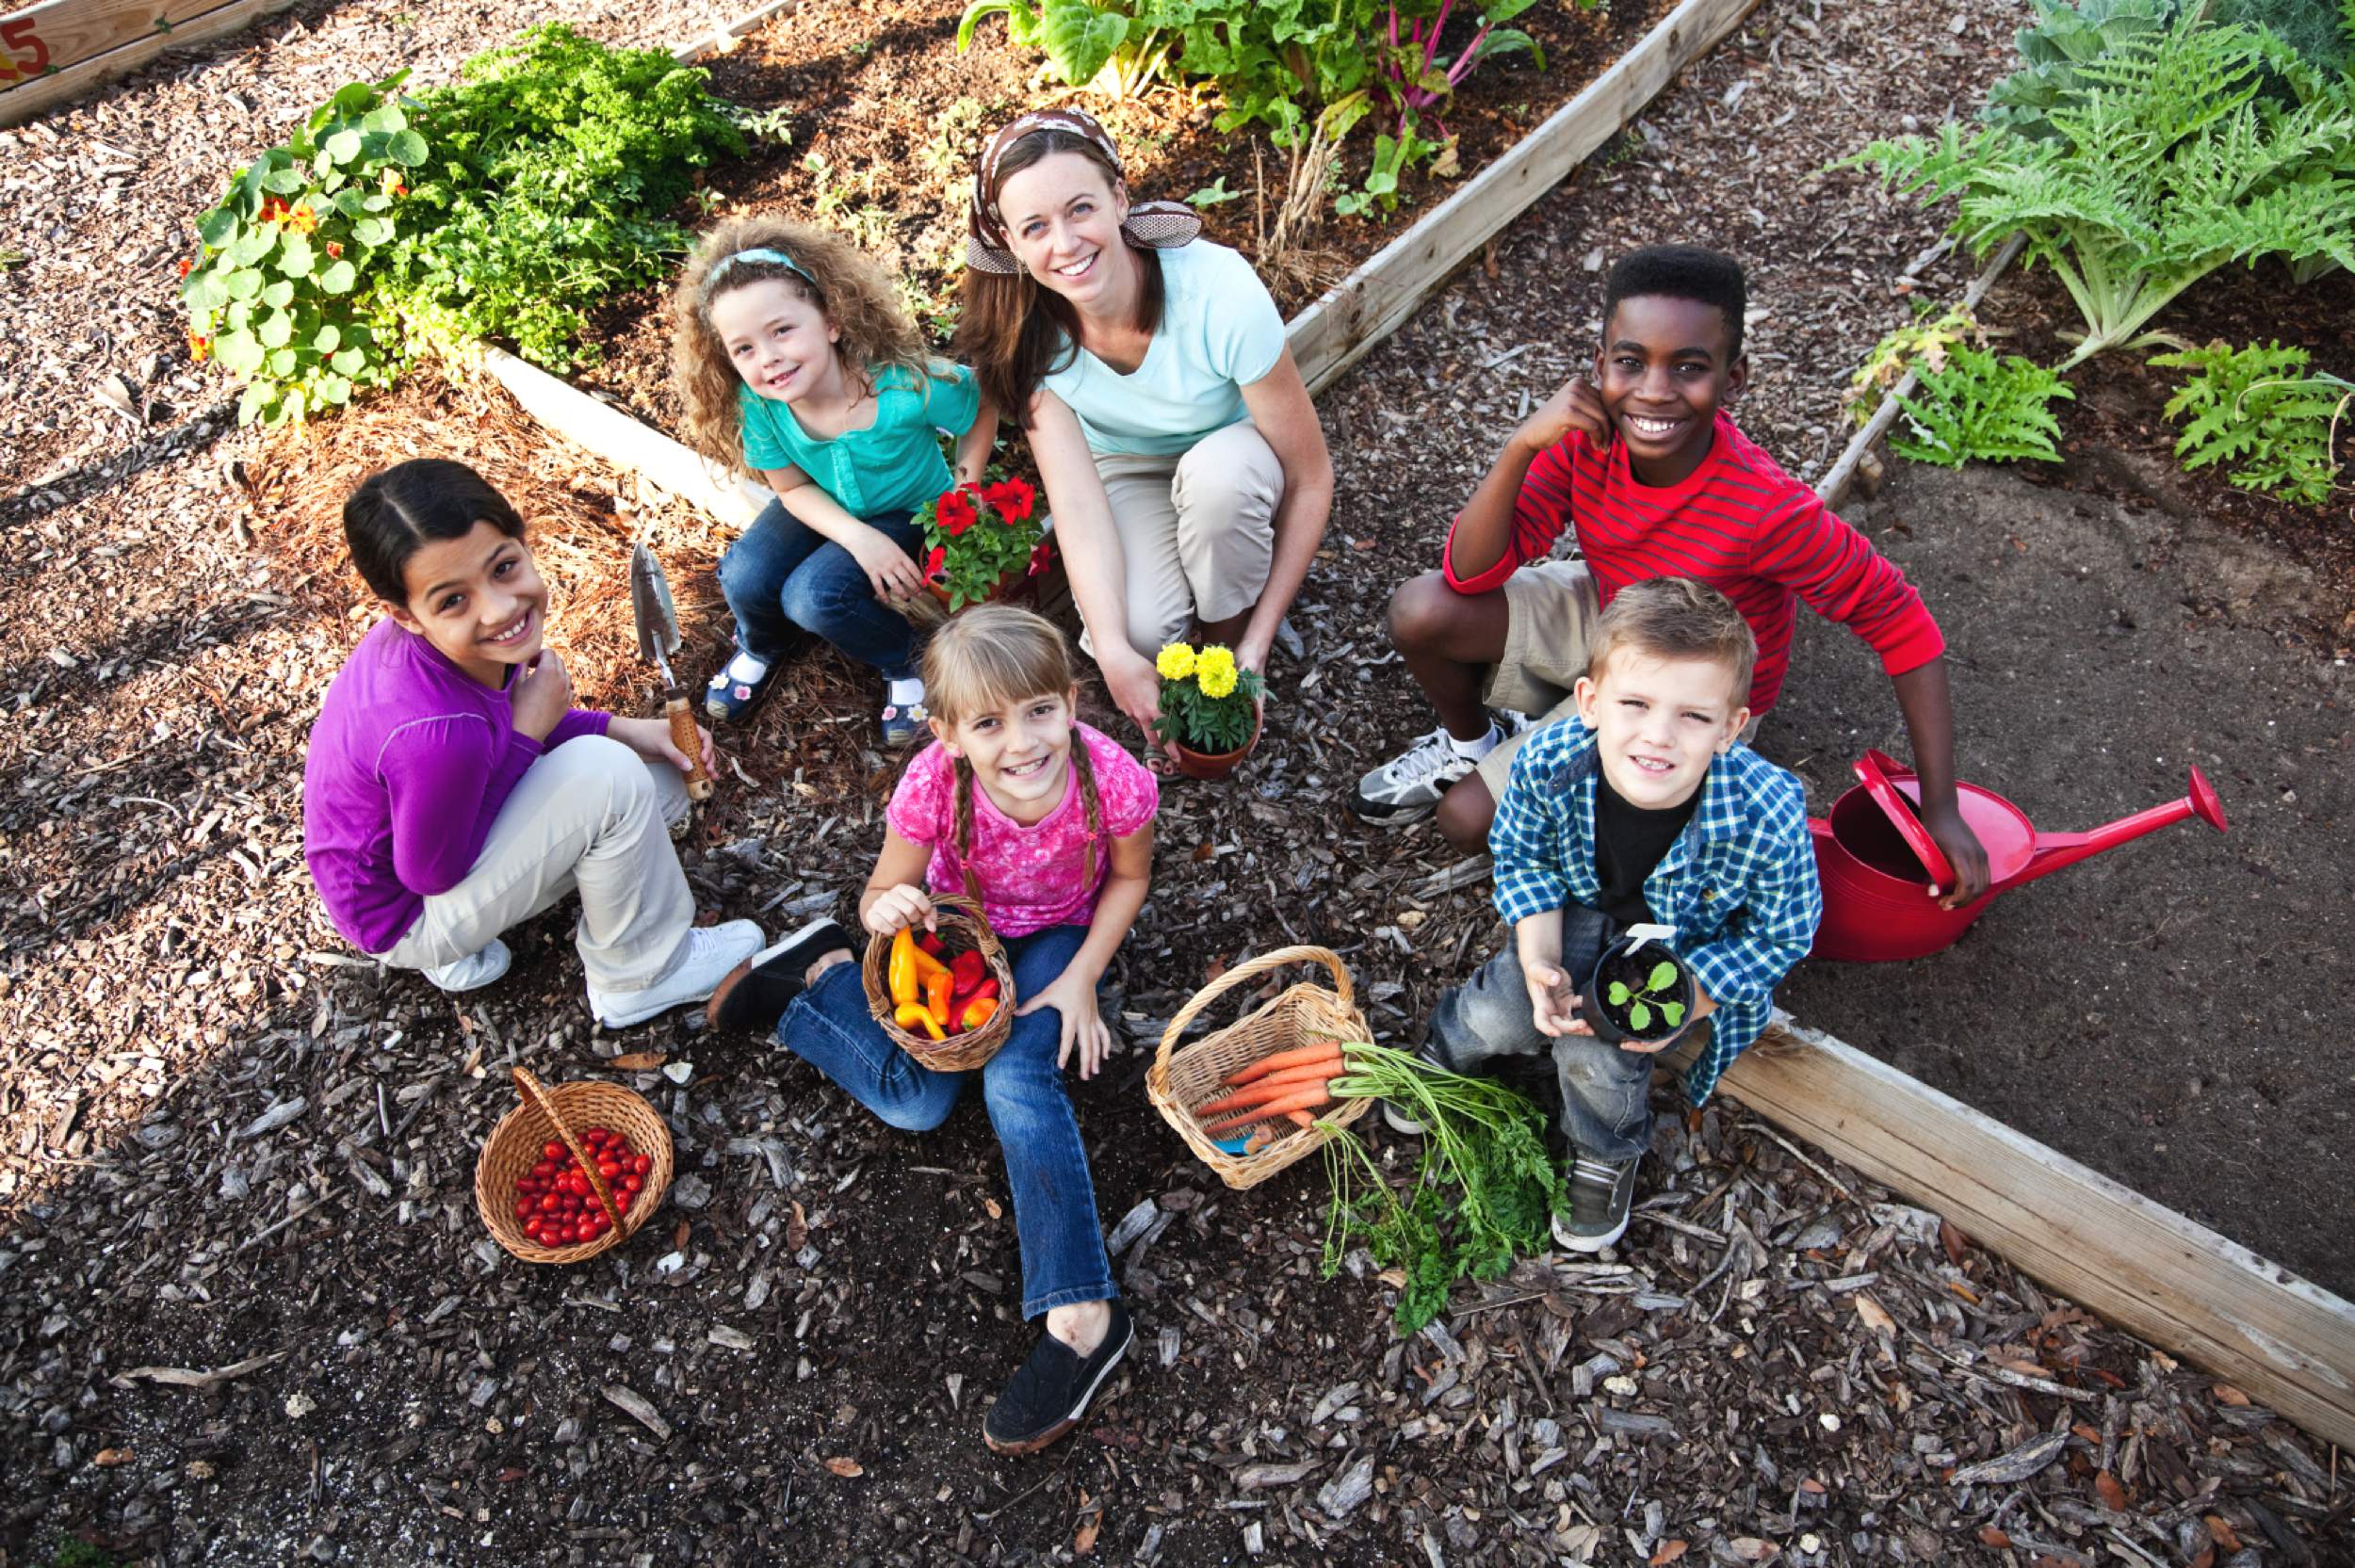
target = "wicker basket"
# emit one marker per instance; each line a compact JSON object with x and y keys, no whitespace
{"x":961,"y":926}
{"x":1181,"y":1079}
{"x":515,"y":1144}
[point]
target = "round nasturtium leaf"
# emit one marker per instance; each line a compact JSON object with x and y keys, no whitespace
{"x":244,"y":284}
{"x":387,"y":120}
{"x":343,"y":146}
{"x":277,"y":296}
{"x":284,"y":182}
{"x":216,"y":228}
{"x":284,"y":362}
{"x":348,"y":361}
{"x":372,"y":230}
{"x":334,"y":389}
{"x":295,"y":256}
{"x":329,"y":336}
{"x":348,"y":201}
{"x":338,"y":276}
{"x":251,"y":245}
{"x":203,"y":291}
{"x":276,"y":329}
{"x":406,"y":147}
{"x":238,"y":352}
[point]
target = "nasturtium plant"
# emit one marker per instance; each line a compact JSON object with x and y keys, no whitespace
{"x":274,"y":297}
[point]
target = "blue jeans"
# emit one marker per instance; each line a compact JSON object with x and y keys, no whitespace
{"x":1047,"y":1167}
{"x":785,"y":573}
{"x":1602,"y":1099}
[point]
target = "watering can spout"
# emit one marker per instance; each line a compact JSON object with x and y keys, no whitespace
{"x":2055,"y":850}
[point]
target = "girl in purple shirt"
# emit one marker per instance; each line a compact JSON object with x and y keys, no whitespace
{"x":451,"y":788}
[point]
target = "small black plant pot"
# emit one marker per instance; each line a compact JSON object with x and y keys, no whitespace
{"x":1639,"y":1014}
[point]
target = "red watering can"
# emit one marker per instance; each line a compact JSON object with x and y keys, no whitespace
{"x":1878,"y":862}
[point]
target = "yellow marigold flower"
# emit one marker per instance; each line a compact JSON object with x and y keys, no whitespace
{"x":1215,"y":656}
{"x":1174,"y":662}
{"x":1215,"y":680}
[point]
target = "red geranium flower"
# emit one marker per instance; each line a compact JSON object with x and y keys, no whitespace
{"x":933,"y":562}
{"x":956,"y":513}
{"x":1011,"y":499}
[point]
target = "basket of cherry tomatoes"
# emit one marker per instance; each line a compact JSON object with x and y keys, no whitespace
{"x":572,"y":1169}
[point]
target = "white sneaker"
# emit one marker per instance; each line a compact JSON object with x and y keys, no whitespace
{"x":1407,"y":788}
{"x":476,"y":969}
{"x":711,"y":952}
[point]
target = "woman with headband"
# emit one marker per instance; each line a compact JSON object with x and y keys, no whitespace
{"x":1181,"y":456}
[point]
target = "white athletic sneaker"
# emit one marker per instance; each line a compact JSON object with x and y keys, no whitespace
{"x":711,"y":952}
{"x":1407,"y":788}
{"x":476,"y":969}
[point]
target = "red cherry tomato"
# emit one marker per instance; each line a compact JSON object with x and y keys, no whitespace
{"x":642,"y":1164}
{"x":552,"y":1150}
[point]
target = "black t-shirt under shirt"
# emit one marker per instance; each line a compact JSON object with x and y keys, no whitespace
{"x":1629,"y":842}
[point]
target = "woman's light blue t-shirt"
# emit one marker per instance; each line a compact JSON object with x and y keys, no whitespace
{"x":1220,"y":331}
{"x":892,"y":465}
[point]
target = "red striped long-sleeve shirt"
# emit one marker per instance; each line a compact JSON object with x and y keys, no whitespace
{"x":1737,"y":523}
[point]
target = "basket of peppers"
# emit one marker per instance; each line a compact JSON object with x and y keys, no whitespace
{"x":944,"y":996}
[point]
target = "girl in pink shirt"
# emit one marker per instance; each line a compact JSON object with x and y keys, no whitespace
{"x":1049,"y":826}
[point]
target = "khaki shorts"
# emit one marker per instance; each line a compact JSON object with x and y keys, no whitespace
{"x":1551,"y":609}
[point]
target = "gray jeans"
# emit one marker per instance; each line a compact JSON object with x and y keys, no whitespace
{"x":1602,"y":1094}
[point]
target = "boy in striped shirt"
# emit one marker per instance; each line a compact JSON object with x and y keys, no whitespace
{"x":1651,"y":471}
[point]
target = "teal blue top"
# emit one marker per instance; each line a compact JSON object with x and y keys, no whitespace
{"x":892,"y":465}
{"x":1220,"y":331}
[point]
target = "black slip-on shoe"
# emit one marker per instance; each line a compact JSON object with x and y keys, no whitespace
{"x":757,"y":992}
{"x":1052,"y":1390}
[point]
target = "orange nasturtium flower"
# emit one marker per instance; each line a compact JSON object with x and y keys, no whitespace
{"x":334,"y":249}
{"x":302,"y":221}
{"x":273,"y":210}
{"x":200,"y":346}
{"x":393,"y":184}
{"x":185,"y":265}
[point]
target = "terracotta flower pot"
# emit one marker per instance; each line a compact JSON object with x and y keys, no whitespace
{"x":1007,"y":589}
{"x":1216,"y":765}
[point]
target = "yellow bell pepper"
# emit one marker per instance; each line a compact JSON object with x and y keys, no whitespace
{"x":913,"y":1016}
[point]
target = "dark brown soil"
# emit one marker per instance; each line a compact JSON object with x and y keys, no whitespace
{"x":895,"y":170}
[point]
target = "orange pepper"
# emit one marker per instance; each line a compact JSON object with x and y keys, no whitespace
{"x":979,"y":1010}
{"x":913,"y":1016}
{"x":906,"y":986}
{"x":937,"y":987}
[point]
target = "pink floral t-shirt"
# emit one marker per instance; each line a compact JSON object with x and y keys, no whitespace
{"x":1031,"y":876}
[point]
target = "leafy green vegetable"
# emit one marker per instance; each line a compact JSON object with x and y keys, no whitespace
{"x":2166,"y":164}
{"x":1484,"y":1193}
{"x":1980,"y":407}
{"x":2259,"y":407}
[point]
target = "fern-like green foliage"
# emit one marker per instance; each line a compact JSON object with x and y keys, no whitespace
{"x":2259,"y":408}
{"x":2167,"y":162}
{"x":1980,"y":407}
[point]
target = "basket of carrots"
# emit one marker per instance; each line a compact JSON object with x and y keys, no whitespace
{"x":1248,"y":1098}
{"x":944,"y":996}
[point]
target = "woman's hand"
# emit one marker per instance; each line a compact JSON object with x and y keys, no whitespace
{"x":888,"y":569}
{"x":651,"y":738}
{"x":540,"y":695}
{"x":1137,"y":687}
{"x":1082,"y":1026}
{"x":896,"y":907}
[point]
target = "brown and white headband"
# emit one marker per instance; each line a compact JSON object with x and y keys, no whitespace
{"x":1150,"y":225}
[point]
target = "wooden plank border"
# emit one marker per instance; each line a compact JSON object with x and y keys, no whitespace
{"x":21,"y":102}
{"x":2279,"y":1338}
{"x":1371,"y":302}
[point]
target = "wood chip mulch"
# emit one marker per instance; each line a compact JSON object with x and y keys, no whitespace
{"x":248,"y":1315}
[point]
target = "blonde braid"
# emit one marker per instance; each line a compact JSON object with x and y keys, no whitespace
{"x":1084,"y":766}
{"x":961,"y":800}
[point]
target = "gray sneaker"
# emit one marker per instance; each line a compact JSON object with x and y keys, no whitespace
{"x":1407,"y":788}
{"x":711,"y":952}
{"x":1601,"y":1192}
{"x":476,"y":969}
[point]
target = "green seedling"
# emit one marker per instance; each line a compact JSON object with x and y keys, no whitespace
{"x":1657,"y":985}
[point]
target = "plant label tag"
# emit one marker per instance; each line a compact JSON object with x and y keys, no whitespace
{"x":1638,"y":935}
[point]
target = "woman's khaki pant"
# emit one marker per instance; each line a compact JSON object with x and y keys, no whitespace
{"x":1197,"y":531}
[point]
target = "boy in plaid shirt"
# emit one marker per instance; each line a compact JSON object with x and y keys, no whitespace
{"x":1645,"y":811}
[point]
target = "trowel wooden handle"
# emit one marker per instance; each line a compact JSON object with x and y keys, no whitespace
{"x":691,"y":743}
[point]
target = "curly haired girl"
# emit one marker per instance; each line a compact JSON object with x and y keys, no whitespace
{"x":1049,"y":824}
{"x":798,"y":365}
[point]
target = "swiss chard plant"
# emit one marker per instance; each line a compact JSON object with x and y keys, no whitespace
{"x":1976,"y":406}
{"x":2168,"y":159}
{"x":2259,"y":408}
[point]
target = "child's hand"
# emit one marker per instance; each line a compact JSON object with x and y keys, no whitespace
{"x":1703,"y":1005}
{"x":888,"y":569}
{"x":1082,"y":1026}
{"x":651,"y":738}
{"x":1552,"y":1004}
{"x":540,"y":695}
{"x":896,"y":907}
{"x":1576,"y":406}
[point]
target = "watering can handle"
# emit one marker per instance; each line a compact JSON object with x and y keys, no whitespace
{"x":1877,"y":771}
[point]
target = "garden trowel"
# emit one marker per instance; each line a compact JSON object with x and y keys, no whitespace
{"x":658,"y":639}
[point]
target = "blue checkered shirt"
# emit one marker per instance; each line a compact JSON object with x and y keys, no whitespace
{"x":1738,"y":884}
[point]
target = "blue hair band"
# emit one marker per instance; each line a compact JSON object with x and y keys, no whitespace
{"x":757,"y":254}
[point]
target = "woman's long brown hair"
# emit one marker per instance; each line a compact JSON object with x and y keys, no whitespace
{"x":1015,"y":333}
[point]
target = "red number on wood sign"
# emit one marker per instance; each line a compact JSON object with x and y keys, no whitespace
{"x":19,"y":34}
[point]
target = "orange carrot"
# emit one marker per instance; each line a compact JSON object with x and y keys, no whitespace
{"x":1302,"y":1117}
{"x":1316,"y":1072}
{"x":1300,"y":1056}
{"x":1253,"y":1094}
{"x":1302,"y":1098}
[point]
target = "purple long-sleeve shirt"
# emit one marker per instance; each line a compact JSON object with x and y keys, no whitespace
{"x":410,"y":760}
